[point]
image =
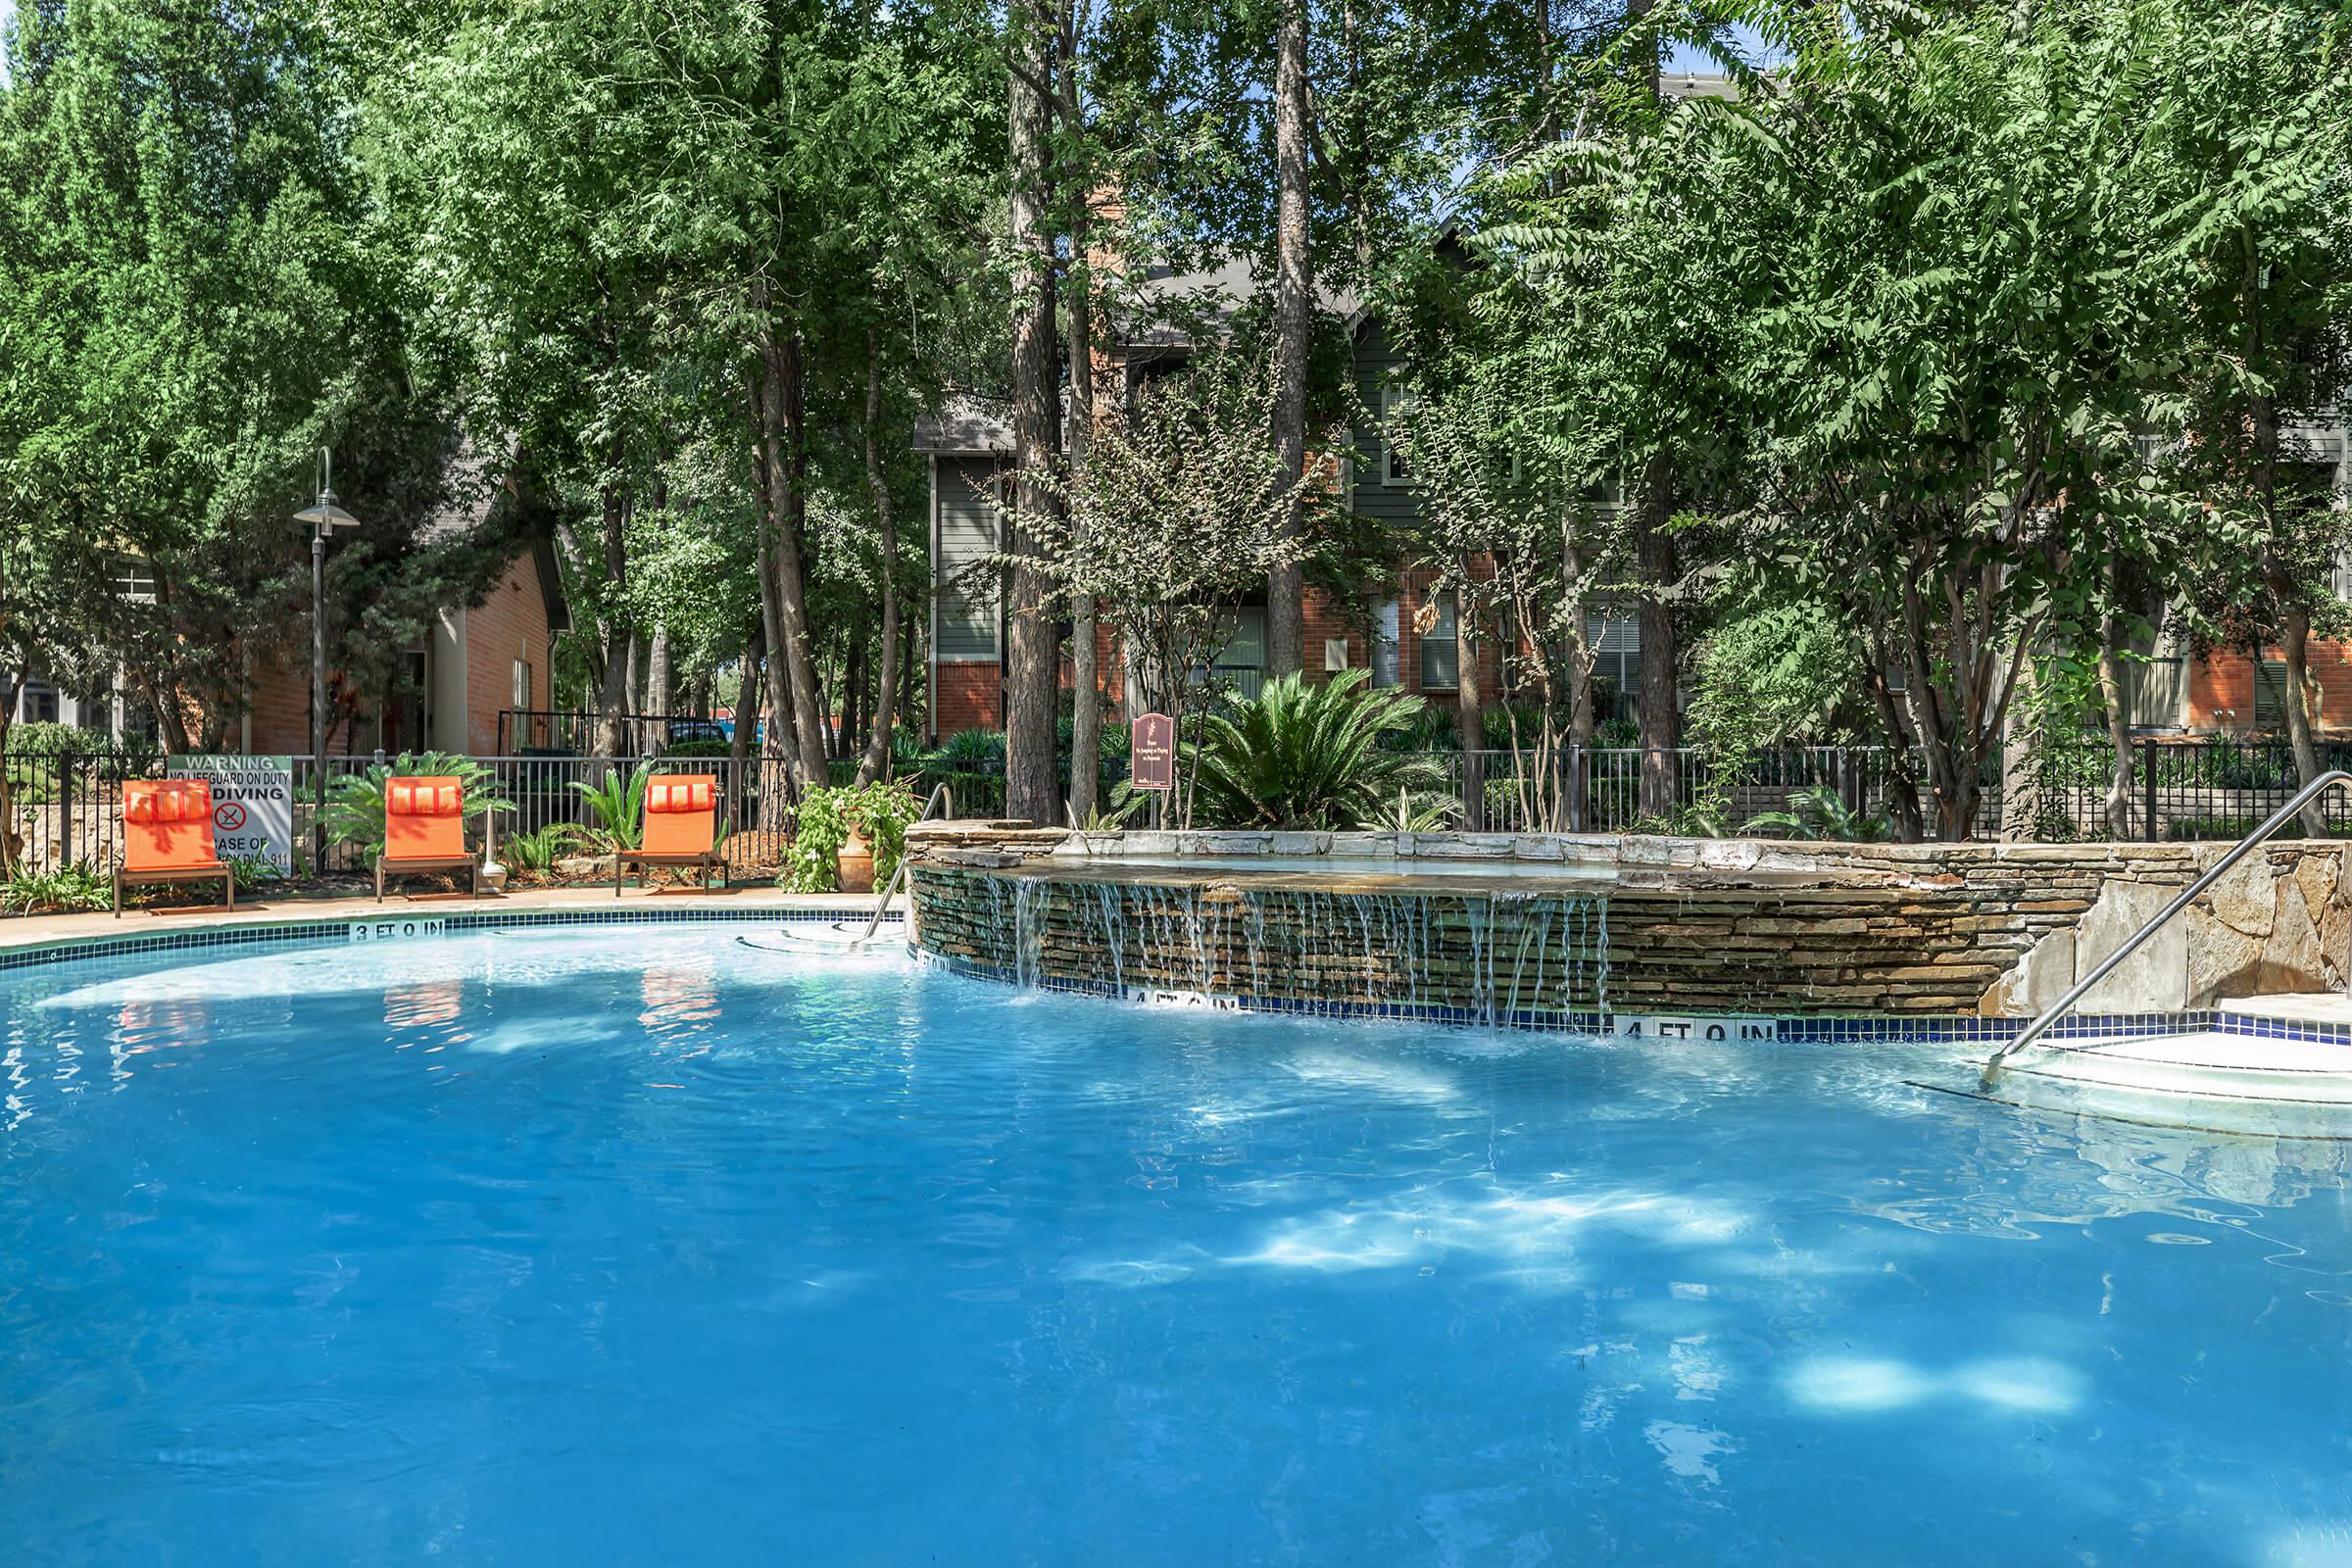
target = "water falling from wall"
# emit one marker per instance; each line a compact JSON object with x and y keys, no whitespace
{"x":1497,"y":958}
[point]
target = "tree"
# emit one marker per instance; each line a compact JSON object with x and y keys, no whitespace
{"x":1031,"y":735}
{"x":1171,"y":522}
{"x":2252,"y":154}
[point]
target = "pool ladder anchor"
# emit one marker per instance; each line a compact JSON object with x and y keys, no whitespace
{"x":2331,"y":779}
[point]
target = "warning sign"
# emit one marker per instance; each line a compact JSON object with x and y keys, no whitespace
{"x":1152,"y":751}
{"x":253,"y":804}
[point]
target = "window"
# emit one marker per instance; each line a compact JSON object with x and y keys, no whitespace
{"x":130,"y":578}
{"x":1616,"y":644}
{"x":1385,"y":624}
{"x":1242,"y":661}
{"x":522,"y":684}
{"x":1395,"y":402}
{"x":1441,"y":649}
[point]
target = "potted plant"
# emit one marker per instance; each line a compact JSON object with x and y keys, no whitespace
{"x":854,"y":862}
{"x":846,"y":839}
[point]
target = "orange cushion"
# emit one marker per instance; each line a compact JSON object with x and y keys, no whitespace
{"x":414,"y":796}
{"x":678,"y":795}
{"x":174,"y":800}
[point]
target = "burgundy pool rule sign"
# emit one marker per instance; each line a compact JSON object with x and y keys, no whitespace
{"x":1152,"y":751}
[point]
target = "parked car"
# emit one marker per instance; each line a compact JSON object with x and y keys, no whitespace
{"x":682,"y":730}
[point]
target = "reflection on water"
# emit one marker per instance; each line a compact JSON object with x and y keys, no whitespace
{"x":678,"y":1250}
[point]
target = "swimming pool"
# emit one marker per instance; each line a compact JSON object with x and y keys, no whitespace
{"x":641,"y":1245}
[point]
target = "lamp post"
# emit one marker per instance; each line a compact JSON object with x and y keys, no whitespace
{"x":323,"y":516}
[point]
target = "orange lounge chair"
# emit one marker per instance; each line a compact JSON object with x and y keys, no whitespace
{"x":681,"y":828}
{"x":424,"y":831}
{"x":167,"y":837}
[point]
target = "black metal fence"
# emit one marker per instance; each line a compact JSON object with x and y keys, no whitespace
{"x":584,"y":732}
{"x":65,"y":807}
{"x":1599,"y":790}
{"x":2213,"y":788}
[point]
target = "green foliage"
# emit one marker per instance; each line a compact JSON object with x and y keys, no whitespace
{"x":881,"y":812}
{"x":701,"y":748}
{"x":355,"y":802}
{"x":1770,"y":677}
{"x":63,"y":891}
{"x":541,"y":848}
{"x":616,"y":801}
{"x":252,"y":870}
{"x":1305,"y":755}
{"x":1818,"y":812}
{"x":971,"y":751}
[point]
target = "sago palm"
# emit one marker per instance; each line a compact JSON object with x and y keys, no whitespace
{"x":1303,"y":755}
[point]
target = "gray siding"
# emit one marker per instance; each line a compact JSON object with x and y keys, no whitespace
{"x":1376,"y":363}
{"x":969,"y":531}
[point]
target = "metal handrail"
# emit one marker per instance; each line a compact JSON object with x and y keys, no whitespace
{"x":939,"y":792}
{"x":2106,"y":967}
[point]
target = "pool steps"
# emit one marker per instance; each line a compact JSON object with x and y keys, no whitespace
{"x":2281,"y":1048}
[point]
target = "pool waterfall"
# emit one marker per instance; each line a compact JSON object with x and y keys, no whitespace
{"x":1497,"y":956}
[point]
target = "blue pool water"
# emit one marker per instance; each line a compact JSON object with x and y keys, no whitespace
{"x":643,"y":1246}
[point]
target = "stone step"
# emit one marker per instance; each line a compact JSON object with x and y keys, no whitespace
{"x":2211,"y":1063}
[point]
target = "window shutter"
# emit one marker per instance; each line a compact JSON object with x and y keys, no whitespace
{"x":2269,"y":694}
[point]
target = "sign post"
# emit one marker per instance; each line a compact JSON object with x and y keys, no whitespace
{"x":1151,"y":757}
{"x":253,"y":804}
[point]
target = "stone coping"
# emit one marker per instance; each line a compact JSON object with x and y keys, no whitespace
{"x":51,"y":939}
{"x":1637,"y":860}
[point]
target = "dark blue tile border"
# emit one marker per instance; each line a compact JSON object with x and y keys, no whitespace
{"x":1927,"y":1029}
{"x":2316,"y":1034}
{"x":326,"y":929}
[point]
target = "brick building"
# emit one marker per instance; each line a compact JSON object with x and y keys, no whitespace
{"x":477,"y":658}
{"x":970,"y":446}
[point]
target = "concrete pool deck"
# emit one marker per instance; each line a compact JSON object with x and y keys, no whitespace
{"x":21,"y":932}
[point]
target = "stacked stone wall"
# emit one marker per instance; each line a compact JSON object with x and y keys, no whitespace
{"x":1664,"y":927}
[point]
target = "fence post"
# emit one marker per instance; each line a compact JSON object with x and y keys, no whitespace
{"x":1576,"y":788}
{"x":2147,"y":770}
{"x":64,"y":811}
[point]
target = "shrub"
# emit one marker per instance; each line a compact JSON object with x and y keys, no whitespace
{"x":539,"y":850}
{"x":617,"y":803}
{"x":701,"y":748}
{"x":1303,"y":755}
{"x":975,"y":751}
{"x":252,"y":870}
{"x":1819,"y":814}
{"x":821,"y":823}
{"x":65,"y":890}
{"x":355,"y":803}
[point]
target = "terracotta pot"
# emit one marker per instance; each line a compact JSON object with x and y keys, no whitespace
{"x":854,"y":864}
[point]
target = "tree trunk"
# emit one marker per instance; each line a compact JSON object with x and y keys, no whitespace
{"x":659,"y":678}
{"x":1470,"y":716}
{"x":1085,"y":678}
{"x":1031,"y":739}
{"x":10,"y":688}
{"x":632,"y":692}
{"x":2120,"y":823}
{"x":2294,"y":616}
{"x":747,"y":719}
{"x":1661,"y":720}
{"x":1293,"y":328}
{"x":877,"y":744}
{"x":784,"y":440}
{"x":1579,"y":657}
{"x":612,"y":697}
{"x":2294,"y":646}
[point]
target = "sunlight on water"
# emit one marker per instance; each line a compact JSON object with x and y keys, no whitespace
{"x":646,"y":1245}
